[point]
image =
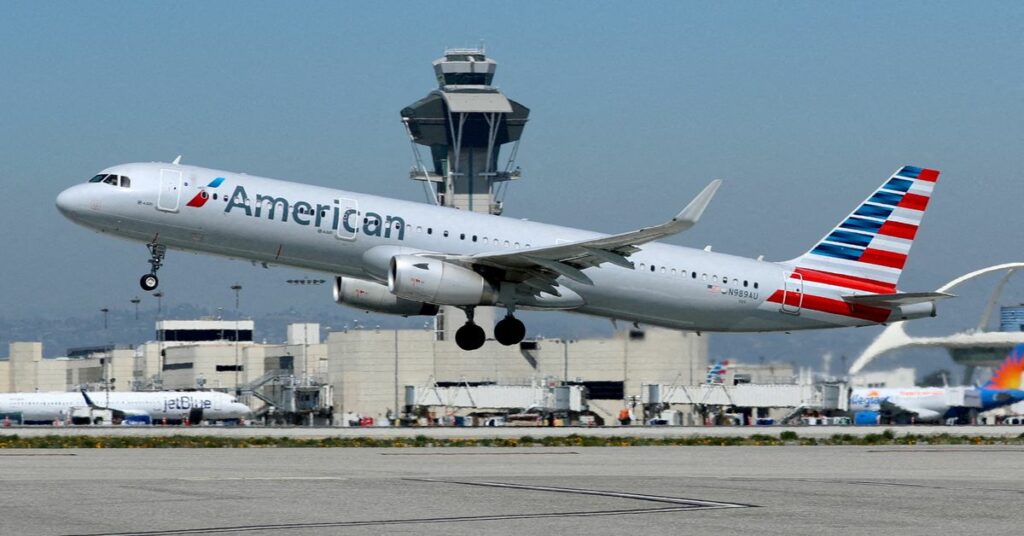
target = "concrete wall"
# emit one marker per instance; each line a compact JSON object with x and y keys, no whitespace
{"x":362,"y":364}
{"x":205,"y":358}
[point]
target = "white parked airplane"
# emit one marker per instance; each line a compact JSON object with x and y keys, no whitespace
{"x":926,"y":404}
{"x":407,"y":258}
{"x":173,"y":405}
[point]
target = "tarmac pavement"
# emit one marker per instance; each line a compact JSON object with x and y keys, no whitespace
{"x":525,"y":490}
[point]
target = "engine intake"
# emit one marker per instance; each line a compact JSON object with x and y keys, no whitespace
{"x":375,"y":297}
{"x":434,"y":281}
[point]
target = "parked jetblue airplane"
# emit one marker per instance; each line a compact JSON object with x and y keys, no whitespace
{"x":176,"y":405}
{"x":407,"y":258}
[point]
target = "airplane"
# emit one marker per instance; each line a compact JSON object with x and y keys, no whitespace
{"x":934,"y":403}
{"x":924,"y":404}
{"x":407,"y":258}
{"x":172,"y":405}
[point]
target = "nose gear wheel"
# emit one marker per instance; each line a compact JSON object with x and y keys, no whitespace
{"x":150,"y":281}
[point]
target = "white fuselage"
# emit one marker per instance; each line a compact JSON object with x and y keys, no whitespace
{"x":356,"y":235}
{"x":173,"y":405}
{"x":928,"y":403}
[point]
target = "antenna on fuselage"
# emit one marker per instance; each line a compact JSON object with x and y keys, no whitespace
{"x":177,"y":161}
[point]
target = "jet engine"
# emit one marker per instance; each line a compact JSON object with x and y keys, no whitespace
{"x":435,"y":281}
{"x":375,"y":297}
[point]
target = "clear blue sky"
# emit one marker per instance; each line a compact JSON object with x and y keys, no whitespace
{"x":802,"y":107}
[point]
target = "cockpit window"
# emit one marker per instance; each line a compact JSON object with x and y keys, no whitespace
{"x":114,"y":180}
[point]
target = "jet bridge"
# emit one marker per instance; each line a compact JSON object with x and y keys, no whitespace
{"x":810,"y":396}
{"x":290,"y":400}
{"x":498,"y":398}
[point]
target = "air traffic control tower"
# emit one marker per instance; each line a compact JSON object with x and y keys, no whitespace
{"x":465,"y":122}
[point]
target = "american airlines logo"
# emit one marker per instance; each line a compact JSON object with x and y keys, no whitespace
{"x":329,"y":217}
{"x":203,"y":196}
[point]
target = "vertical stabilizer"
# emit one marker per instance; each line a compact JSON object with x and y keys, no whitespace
{"x":868,"y":249}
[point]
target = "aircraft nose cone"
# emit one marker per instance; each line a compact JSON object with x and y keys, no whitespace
{"x":71,"y":201}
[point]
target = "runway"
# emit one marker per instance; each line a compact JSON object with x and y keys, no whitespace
{"x":696,"y":490}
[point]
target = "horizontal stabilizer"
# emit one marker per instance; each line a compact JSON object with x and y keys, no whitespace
{"x":897,"y":299}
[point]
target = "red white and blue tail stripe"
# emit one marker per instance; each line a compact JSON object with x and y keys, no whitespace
{"x":868,"y":249}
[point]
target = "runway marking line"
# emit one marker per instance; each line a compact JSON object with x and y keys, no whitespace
{"x":570,"y":453}
{"x":674,"y":504}
{"x":690,"y":503}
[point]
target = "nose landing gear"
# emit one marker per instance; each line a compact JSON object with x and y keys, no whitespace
{"x":150,"y":281}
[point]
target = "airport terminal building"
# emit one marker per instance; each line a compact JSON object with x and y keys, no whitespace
{"x":360,"y":373}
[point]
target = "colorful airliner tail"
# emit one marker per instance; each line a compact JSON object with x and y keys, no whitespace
{"x":868,"y":249}
{"x":1008,"y":375}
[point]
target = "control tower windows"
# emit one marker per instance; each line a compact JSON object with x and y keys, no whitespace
{"x":467,"y":79}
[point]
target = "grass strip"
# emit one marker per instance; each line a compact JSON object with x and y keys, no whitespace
{"x":887,"y":437}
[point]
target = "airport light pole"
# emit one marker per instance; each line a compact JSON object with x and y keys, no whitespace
{"x":135,"y":301}
{"x":304,"y":281}
{"x":104,"y":311}
{"x":159,"y":303}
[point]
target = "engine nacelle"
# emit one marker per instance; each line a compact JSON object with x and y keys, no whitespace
{"x":375,"y":297}
{"x":434,"y":281}
{"x":910,"y":311}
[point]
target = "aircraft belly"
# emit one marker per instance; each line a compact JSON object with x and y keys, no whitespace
{"x":672,"y":303}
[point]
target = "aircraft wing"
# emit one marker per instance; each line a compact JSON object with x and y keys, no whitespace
{"x":571,"y":258}
{"x":923,"y":414}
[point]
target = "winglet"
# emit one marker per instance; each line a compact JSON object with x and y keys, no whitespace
{"x":692,"y":213}
{"x":177,"y":161}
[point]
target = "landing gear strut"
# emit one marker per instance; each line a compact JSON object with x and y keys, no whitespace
{"x":470,"y":336}
{"x":510,"y":330}
{"x":149,"y":281}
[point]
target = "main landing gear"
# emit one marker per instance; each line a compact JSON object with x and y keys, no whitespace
{"x":150,"y":281}
{"x":510,"y":330}
{"x":470,"y":336}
